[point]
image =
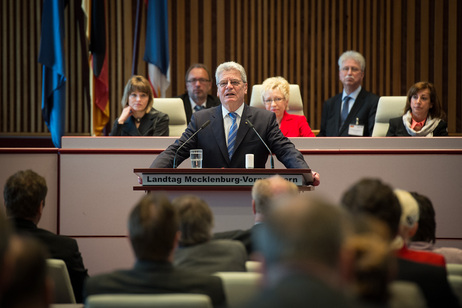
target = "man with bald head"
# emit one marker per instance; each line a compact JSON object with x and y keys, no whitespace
{"x":264,"y":193}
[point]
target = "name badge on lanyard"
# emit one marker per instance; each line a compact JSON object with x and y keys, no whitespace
{"x":356,"y":129}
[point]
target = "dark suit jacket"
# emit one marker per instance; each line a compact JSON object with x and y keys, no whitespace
{"x":244,"y":236}
{"x":432,"y":280}
{"x":59,"y":247}
{"x":397,"y":128}
{"x":149,"y":277}
{"x":154,"y":123}
{"x":364,"y":110}
{"x":212,"y":140}
{"x":212,"y":101}
{"x":212,"y":256}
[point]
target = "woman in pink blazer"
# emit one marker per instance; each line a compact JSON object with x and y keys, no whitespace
{"x":275,"y":96}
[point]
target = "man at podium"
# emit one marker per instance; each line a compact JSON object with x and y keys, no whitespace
{"x":228,"y":132}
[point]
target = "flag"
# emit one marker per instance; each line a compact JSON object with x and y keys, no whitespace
{"x":157,"y":52}
{"x":98,"y":49}
{"x":51,"y":56}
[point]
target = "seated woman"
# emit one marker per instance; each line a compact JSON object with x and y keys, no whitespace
{"x":423,"y":114}
{"x":275,"y":96}
{"x":138,"y":117}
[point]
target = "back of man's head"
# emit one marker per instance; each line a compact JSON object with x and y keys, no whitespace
{"x":266,"y":191}
{"x":373,"y":197}
{"x":153,"y":225}
{"x":427,"y":224}
{"x":303,"y":229}
{"x":29,"y":285}
{"x":23,"y":193}
{"x":196,"y":220}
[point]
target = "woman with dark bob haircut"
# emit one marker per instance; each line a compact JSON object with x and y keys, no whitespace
{"x":423,"y":114}
{"x":138,"y":117}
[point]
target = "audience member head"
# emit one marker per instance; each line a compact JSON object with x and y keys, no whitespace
{"x":198,"y":82}
{"x":420,"y":88}
{"x":351,"y":70}
{"x":5,"y":234}
{"x":153,"y":228}
{"x":305,"y":232}
{"x":265,"y":191}
{"x":426,"y":232}
{"x":374,"y":266}
{"x":196,"y":220}
{"x":138,"y":83}
{"x":275,"y":95}
{"x":231,"y":85}
{"x":29,"y":284}
{"x":409,"y":214}
{"x":24,"y":194}
{"x":375,"y":198}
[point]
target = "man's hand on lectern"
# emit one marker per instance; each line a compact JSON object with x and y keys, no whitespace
{"x":316,"y":178}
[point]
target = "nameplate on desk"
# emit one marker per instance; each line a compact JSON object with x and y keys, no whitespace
{"x":179,"y":179}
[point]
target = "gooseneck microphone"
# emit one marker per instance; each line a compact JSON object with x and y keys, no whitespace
{"x":271,"y":153}
{"x":197,"y":131}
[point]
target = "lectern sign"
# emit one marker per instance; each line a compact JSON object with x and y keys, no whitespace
{"x":216,"y":179}
{"x":187,"y":179}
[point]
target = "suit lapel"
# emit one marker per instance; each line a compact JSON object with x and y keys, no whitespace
{"x":356,"y":107}
{"x":243,"y":128}
{"x":219,"y":131}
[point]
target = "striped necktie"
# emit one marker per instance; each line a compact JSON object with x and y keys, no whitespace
{"x":232,"y":134}
{"x":345,"y":110}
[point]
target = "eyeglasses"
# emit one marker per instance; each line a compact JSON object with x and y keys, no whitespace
{"x":270,"y":100}
{"x":234,"y":83}
{"x":201,"y":80}
{"x":354,"y":69}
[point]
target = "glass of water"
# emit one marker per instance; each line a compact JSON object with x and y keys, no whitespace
{"x":196,"y":158}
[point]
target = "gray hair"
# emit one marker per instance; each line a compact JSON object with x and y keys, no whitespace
{"x":228,"y":66}
{"x":356,"y":56}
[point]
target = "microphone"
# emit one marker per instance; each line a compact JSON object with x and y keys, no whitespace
{"x":197,"y":131}
{"x":271,"y":153}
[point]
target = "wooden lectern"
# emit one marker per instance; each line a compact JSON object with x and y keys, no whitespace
{"x":215,"y":179}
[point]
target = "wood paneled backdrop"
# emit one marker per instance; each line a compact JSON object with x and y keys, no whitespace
{"x":301,"y":40}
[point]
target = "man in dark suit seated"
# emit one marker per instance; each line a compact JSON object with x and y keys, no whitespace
{"x":352,"y":112}
{"x":229,"y":136}
{"x":264,"y":192}
{"x":374,"y":198}
{"x":198,"y":83}
{"x":154,"y":233}
{"x":24,"y":195}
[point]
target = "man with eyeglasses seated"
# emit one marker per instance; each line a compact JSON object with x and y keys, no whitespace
{"x":352,"y":112}
{"x":230,"y":136}
{"x":198,"y":83}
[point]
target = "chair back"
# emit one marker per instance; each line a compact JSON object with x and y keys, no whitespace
{"x":295,"y":99}
{"x":388,"y":107}
{"x":177,"y":116}
{"x":253,"y":266}
{"x":456,"y":283}
{"x":148,"y":300}
{"x":454,"y":269}
{"x":240,"y":287}
{"x":63,"y":292}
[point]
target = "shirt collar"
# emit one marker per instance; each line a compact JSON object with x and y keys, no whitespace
{"x":193,"y":104}
{"x":239,"y":110}
{"x":353,"y":94}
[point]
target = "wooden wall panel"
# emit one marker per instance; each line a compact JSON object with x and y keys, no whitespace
{"x":301,"y":40}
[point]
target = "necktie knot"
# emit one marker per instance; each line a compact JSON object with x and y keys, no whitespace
{"x":198,"y":108}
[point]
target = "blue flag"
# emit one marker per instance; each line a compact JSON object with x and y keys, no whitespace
{"x":54,"y":68}
{"x":156,"y":52}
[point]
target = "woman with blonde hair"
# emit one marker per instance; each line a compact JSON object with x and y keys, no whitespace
{"x":423,"y":114}
{"x":139,"y":118}
{"x":275,"y":96}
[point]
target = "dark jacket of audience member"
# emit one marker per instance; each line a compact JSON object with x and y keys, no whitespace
{"x":153,"y":228}
{"x":24,"y":195}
